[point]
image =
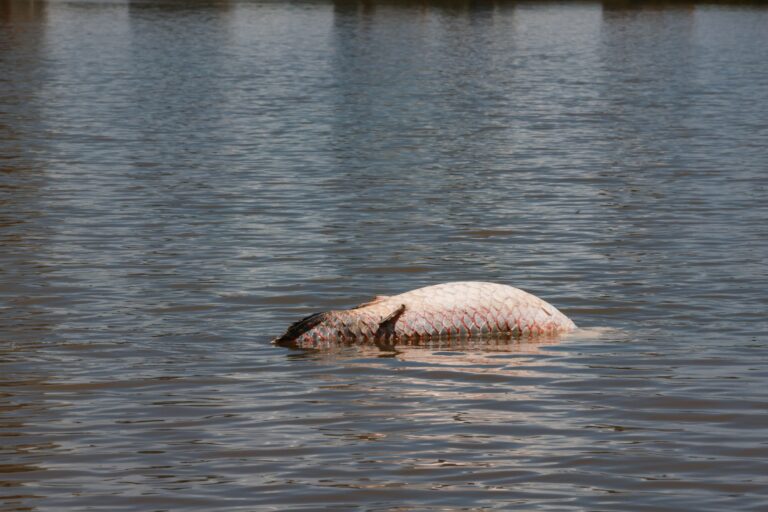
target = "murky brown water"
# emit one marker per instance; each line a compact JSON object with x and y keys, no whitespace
{"x":181,"y":179}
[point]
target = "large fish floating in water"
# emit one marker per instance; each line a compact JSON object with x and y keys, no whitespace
{"x":445,"y":311}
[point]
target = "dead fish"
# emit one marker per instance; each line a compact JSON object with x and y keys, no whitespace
{"x":444,"y":311}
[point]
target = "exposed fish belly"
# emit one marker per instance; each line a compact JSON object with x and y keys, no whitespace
{"x":451,"y":310}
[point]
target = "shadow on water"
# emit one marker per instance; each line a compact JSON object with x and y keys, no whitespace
{"x":367,"y":7}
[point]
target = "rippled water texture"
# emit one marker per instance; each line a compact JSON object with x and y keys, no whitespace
{"x":182,"y":179}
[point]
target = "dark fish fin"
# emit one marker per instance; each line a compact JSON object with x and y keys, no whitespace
{"x":374,"y":300}
{"x":393,"y":316}
{"x":296,"y":329}
{"x":385,"y":334}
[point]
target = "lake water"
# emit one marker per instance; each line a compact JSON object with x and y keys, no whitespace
{"x":180,"y":180}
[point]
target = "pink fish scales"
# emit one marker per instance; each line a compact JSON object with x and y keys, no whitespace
{"x":464,"y":309}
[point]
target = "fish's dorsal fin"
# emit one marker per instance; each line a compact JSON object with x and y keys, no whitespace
{"x":373,"y":301}
{"x":387,"y":324}
{"x":385,"y":334}
{"x":393,"y":316}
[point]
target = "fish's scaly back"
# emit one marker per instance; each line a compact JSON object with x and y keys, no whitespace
{"x":450,"y":310}
{"x":464,"y":309}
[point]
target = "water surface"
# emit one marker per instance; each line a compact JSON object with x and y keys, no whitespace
{"x":179,"y":180}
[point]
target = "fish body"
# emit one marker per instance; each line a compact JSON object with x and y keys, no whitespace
{"x":444,"y":311}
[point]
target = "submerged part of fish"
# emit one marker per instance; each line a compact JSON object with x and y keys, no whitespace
{"x":450,"y":310}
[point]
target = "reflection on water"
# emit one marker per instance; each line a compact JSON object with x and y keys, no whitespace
{"x":179,"y":180}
